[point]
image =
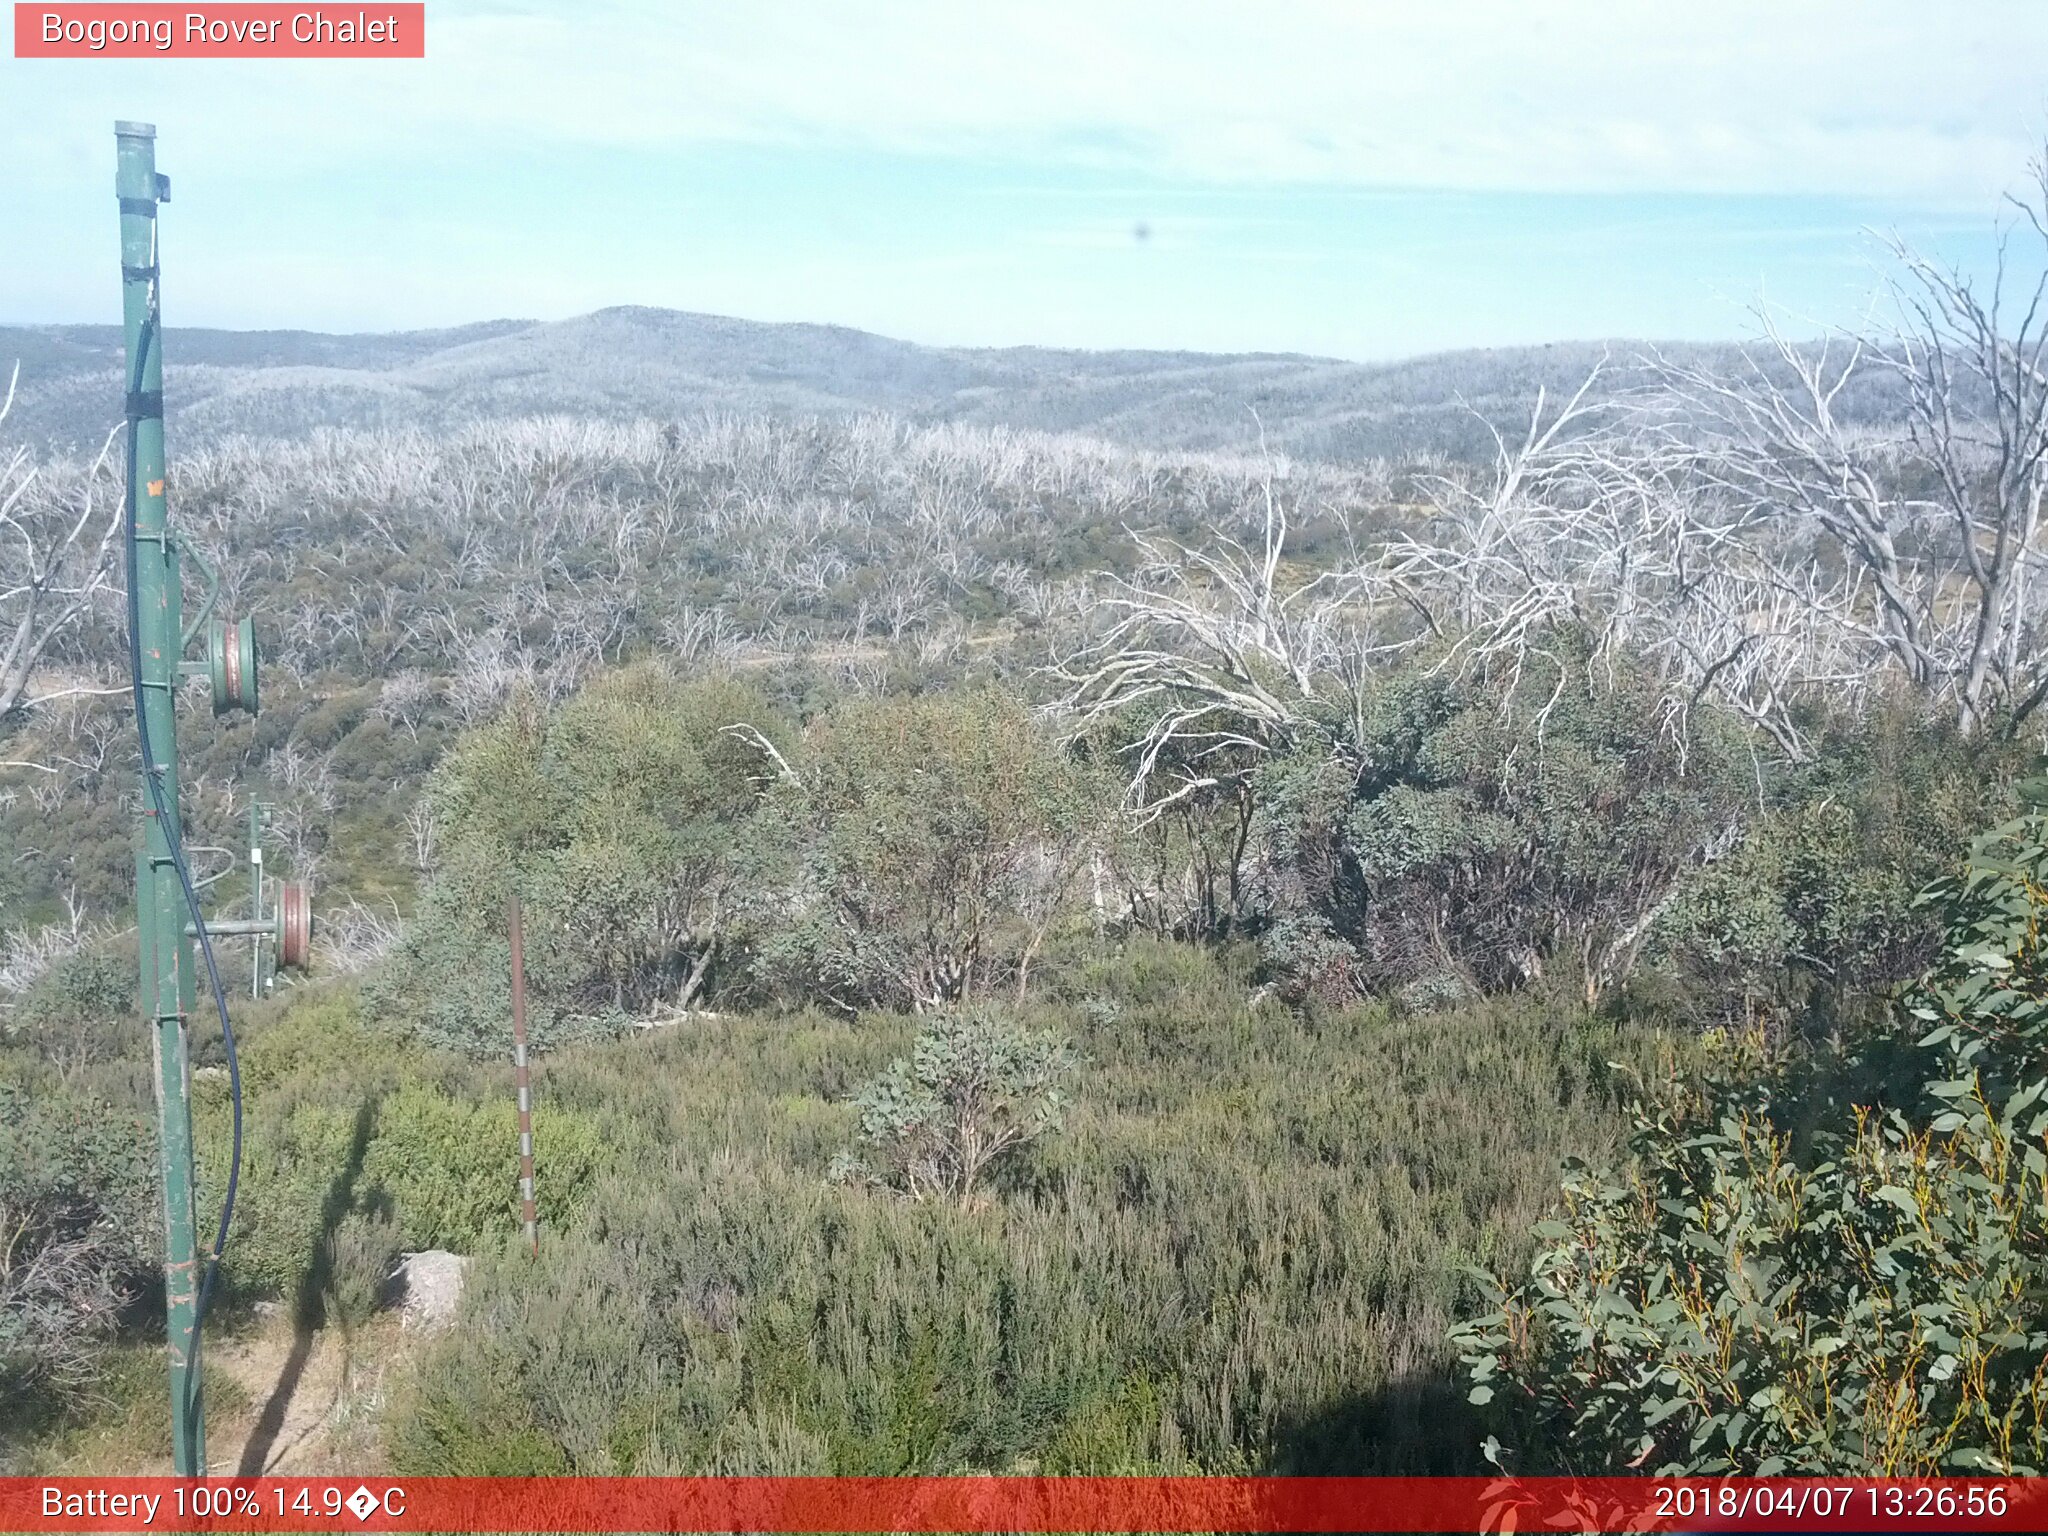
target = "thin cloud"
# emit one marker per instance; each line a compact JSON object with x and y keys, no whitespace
{"x":1884,"y":98}
{"x":976,"y":173}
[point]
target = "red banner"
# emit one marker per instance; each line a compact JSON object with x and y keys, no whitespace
{"x":785,"y":1504}
{"x":241,"y":31}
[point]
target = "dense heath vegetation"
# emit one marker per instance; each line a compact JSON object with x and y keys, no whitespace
{"x":1051,"y":956}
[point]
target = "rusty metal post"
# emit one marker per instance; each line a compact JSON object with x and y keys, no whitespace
{"x":529,"y":1213}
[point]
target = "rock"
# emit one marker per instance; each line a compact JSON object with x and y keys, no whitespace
{"x":429,"y":1287}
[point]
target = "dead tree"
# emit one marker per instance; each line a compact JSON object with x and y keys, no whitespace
{"x":57,"y":542}
{"x":1917,"y":547}
{"x":1222,"y":657}
{"x":1218,"y":658}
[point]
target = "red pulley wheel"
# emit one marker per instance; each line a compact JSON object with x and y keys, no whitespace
{"x":294,"y":927}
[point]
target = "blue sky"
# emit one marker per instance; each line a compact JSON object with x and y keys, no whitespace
{"x":1361,"y":179}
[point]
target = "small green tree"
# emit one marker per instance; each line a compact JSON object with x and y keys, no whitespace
{"x":624,"y":820}
{"x":1816,"y":1268}
{"x":975,"y":1088}
{"x":940,"y":841}
{"x":1183,"y":866}
{"x":1495,"y":830}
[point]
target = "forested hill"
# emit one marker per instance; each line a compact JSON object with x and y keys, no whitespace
{"x":638,"y":363}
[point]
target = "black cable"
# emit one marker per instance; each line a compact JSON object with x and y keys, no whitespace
{"x":167,"y":818}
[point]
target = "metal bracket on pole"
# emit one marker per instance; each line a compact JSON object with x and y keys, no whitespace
{"x":198,"y":621}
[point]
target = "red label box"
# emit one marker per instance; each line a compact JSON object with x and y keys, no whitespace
{"x":237,"y":31}
{"x":1757,"y":1506}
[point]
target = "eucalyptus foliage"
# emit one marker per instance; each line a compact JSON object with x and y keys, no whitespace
{"x":976,"y":1087}
{"x":622,"y":821}
{"x":939,"y":843}
{"x":1497,"y":830}
{"x":1816,"y":1267}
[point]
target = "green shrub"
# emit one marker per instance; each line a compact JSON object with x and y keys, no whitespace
{"x":1499,"y":830}
{"x":352,"y":1151}
{"x":450,"y":984}
{"x":1812,"y":915}
{"x":300,"y":1163}
{"x":82,"y":1008}
{"x":623,"y":821}
{"x":312,"y":1038}
{"x":1811,"y":1267}
{"x":312,"y":1075}
{"x":356,"y":1264}
{"x":473,"y":1421}
{"x":1242,"y":1252}
{"x":451,"y":1169}
{"x":939,"y":843}
{"x":75,"y":1209}
{"x":976,"y":1088}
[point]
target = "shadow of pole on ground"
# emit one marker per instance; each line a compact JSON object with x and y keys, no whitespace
{"x":309,"y":1306}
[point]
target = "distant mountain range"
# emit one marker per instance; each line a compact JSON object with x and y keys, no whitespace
{"x":631,"y":362}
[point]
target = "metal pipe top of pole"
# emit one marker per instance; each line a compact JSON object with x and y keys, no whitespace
{"x":135,"y":178}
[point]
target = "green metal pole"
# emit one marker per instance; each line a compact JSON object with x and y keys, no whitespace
{"x":168,"y":991}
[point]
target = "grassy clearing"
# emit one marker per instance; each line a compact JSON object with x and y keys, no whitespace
{"x":1243,"y":1253}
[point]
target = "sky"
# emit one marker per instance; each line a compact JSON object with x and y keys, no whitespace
{"x":1350,"y":178}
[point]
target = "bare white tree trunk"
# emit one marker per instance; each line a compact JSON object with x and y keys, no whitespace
{"x":57,"y":542}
